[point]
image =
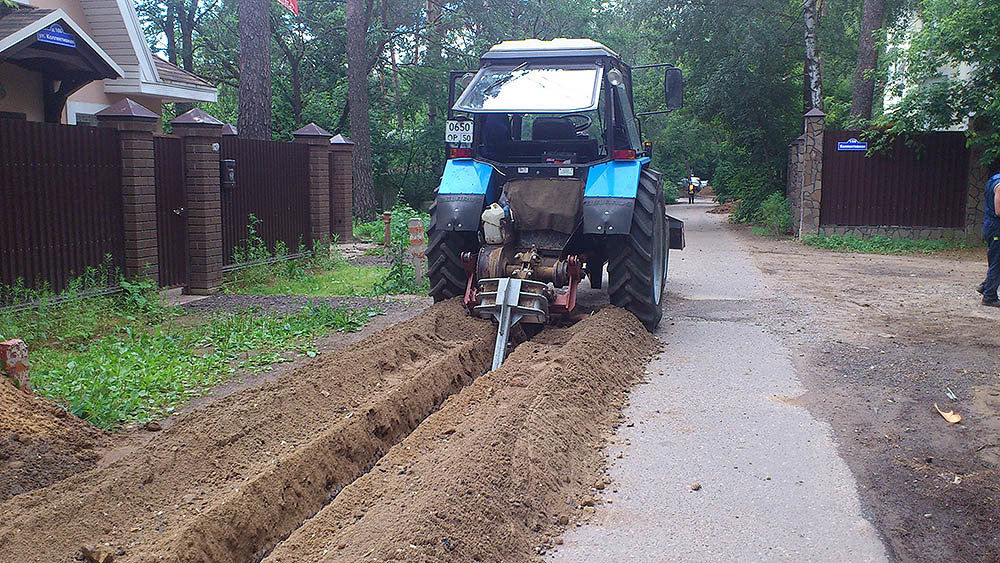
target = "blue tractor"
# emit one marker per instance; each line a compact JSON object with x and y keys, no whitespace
{"x":547,"y":181}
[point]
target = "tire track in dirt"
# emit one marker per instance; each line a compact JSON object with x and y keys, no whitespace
{"x":500,"y":466}
{"x":228,"y":481}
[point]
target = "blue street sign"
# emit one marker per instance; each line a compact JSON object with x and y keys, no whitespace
{"x":55,"y":35}
{"x":852,"y":144}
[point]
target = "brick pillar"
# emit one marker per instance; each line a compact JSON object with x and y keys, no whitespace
{"x":793,"y":182}
{"x":135,"y":125}
{"x":341,"y":188}
{"x":201,"y":134}
{"x":812,"y":172}
{"x":319,"y":180}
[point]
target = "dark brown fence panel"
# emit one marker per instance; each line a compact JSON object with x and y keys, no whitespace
{"x":272,"y":184}
{"x":60,"y":202}
{"x":170,"y":227}
{"x":922,"y":183}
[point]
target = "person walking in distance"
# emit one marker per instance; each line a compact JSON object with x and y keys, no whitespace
{"x":991,"y":233}
{"x":690,"y":192}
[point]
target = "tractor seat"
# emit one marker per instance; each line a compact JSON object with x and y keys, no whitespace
{"x":552,"y":129}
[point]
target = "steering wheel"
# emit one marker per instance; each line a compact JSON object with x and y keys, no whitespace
{"x":581,"y":121}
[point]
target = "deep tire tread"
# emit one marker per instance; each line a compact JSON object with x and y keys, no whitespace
{"x":444,"y":259}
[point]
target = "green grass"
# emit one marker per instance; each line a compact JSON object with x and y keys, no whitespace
{"x":882,"y":245}
{"x":342,"y":279}
{"x":123,"y":358}
{"x":374,"y":231}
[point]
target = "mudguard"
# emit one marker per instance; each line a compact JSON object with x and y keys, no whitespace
{"x":466,"y":187}
{"x":609,"y":196}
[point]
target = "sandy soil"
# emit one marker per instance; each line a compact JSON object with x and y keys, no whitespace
{"x":880,"y":340}
{"x":40,"y":443}
{"x":488,"y":477}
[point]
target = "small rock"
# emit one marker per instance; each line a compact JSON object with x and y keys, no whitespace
{"x":518,"y":382}
{"x":599,"y":485}
{"x":589,"y":509}
{"x":695,"y":486}
{"x":559,"y":541}
{"x":563,"y":520}
{"x":153,"y":426}
{"x":92,"y":554}
{"x":587,"y":502}
{"x":928,"y":515}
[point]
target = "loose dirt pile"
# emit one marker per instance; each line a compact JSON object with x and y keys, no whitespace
{"x":723,"y":208}
{"x":502,"y":466}
{"x":225,"y":482}
{"x":40,"y":443}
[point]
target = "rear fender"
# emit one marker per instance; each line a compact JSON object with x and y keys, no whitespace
{"x":676,"y":233}
{"x":609,"y":196}
{"x":467,"y":186}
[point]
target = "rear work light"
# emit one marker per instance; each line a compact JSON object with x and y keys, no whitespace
{"x":623,"y":154}
{"x":459,"y":153}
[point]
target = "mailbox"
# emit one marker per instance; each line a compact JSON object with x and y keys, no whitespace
{"x":227,"y":173}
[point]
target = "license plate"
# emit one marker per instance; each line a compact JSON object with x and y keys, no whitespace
{"x":459,"y":132}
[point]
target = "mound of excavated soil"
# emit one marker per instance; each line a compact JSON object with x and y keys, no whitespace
{"x":40,"y":443}
{"x":499,"y":466}
{"x":723,"y":208}
{"x":226,"y":482}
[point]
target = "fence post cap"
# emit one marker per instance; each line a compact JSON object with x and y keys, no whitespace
{"x":312,"y":130}
{"x":126,"y":108}
{"x":195,"y":118}
{"x":815,"y":112}
{"x":229,"y":129}
{"x":339,"y":139}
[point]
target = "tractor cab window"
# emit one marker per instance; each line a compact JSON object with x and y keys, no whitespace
{"x":532,"y":88}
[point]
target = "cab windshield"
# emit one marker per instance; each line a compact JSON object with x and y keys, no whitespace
{"x":532,"y":89}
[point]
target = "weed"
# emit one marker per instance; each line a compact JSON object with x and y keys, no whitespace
{"x":882,"y":245}
{"x":774,"y":215}
{"x":400,"y":278}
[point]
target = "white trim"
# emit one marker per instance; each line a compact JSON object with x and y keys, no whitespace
{"x":88,"y":108}
{"x":47,"y":20}
{"x":147,"y":70}
{"x":165,"y":90}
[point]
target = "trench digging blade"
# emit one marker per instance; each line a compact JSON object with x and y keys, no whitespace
{"x":510,"y":301}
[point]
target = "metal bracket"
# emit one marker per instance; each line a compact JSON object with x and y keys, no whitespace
{"x":509,"y":301}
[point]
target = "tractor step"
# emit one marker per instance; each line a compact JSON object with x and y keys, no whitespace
{"x":510,"y":301}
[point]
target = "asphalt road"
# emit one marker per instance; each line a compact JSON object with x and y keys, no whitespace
{"x":719,"y":410}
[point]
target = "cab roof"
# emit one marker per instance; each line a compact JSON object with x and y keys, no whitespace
{"x":537,"y":48}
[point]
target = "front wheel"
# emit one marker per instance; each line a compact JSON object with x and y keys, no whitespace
{"x":638,"y":265}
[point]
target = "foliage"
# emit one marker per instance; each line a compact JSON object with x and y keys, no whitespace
{"x":956,"y":34}
{"x":775,"y":214}
{"x":139,"y":370}
{"x":374,"y":231}
{"x":882,"y":245}
{"x":400,"y":279}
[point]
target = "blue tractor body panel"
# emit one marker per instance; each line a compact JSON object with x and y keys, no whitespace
{"x":616,"y":178}
{"x":466,"y":187}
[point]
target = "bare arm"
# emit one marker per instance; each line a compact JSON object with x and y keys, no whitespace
{"x":996,"y":200}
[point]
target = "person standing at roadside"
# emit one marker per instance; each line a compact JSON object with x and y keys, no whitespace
{"x":690,"y":192}
{"x":991,"y":234}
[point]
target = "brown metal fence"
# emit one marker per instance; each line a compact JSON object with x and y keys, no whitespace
{"x":60,"y":202}
{"x":920,"y":181}
{"x":171,"y":236}
{"x":272,"y":184}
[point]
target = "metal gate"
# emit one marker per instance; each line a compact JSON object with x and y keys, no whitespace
{"x":171,"y":229}
{"x":920,"y":181}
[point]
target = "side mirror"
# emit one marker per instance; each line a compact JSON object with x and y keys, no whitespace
{"x":673,"y":88}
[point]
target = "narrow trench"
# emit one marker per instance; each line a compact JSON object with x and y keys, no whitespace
{"x":269,"y":507}
{"x":458,"y":383}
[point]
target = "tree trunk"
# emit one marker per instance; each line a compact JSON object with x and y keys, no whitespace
{"x":434,"y":45}
{"x":813,"y":90}
{"x":170,"y":31}
{"x":357,"y":96}
{"x":864,"y":86}
{"x":254,"y":109}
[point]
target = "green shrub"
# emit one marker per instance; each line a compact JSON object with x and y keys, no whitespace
{"x":774,"y":214}
{"x":374,"y":231}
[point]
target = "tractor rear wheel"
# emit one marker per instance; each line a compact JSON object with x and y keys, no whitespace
{"x":445,"y":269}
{"x":638,"y":262}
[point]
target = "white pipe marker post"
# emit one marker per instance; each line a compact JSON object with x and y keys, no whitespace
{"x":418,"y":247}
